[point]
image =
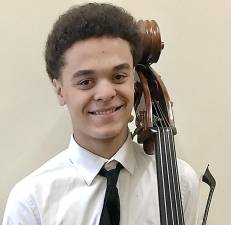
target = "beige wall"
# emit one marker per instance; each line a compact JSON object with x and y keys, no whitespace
{"x":195,"y":66}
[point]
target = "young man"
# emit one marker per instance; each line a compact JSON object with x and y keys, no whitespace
{"x":90,"y":57}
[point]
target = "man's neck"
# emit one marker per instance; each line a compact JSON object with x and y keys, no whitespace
{"x":105,"y":148}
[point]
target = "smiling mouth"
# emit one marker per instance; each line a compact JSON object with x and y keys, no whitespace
{"x":106,"y":111}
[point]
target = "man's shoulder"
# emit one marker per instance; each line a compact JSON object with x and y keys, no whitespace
{"x":34,"y":188}
{"x":187,"y":174}
{"x":142,"y":159}
{"x":45,"y":173}
{"x":188,"y":177}
{"x":139,"y":151}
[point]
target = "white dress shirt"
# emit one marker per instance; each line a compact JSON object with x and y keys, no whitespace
{"x":67,"y":190}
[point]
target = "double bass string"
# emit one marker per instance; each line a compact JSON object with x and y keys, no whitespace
{"x":175,"y":171}
{"x":174,"y":182}
{"x":164,"y":155}
{"x":178,"y":193}
{"x":169,"y":162}
{"x":162,"y":182}
{"x":169,"y":159}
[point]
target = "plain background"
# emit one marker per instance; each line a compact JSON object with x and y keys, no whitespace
{"x":195,"y":67}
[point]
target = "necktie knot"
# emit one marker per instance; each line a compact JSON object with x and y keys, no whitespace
{"x":111,"y":175}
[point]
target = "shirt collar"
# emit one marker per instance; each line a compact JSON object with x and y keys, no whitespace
{"x":90,"y":164}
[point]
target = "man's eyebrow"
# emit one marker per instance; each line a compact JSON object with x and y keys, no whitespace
{"x":92,"y":72}
{"x":82,"y":73}
{"x":122,"y":66}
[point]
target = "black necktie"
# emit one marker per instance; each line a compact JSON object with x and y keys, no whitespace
{"x":111,"y":206}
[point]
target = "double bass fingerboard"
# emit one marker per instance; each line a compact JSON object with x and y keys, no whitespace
{"x":170,"y":202}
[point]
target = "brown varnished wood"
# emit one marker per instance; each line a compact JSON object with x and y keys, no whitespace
{"x":151,"y":40}
{"x":152,"y":47}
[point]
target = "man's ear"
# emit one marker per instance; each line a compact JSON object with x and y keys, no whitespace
{"x":58,"y":87}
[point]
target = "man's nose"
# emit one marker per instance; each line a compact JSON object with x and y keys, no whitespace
{"x":105,"y":90}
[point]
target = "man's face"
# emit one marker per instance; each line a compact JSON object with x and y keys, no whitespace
{"x":97,"y":85}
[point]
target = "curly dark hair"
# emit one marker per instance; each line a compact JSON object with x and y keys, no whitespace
{"x":87,"y":21}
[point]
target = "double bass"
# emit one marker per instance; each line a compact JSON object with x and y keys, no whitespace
{"x":155,"y":128}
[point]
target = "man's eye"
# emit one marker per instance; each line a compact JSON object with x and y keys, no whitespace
{"x":85,"y":84}
{"x":120,"y":77}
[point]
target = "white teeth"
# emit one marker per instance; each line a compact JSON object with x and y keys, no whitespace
{"x":105,"y":112}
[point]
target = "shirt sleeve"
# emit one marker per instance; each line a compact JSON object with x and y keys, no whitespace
{"x":20,"y":210}
{"x":190,"y":192}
